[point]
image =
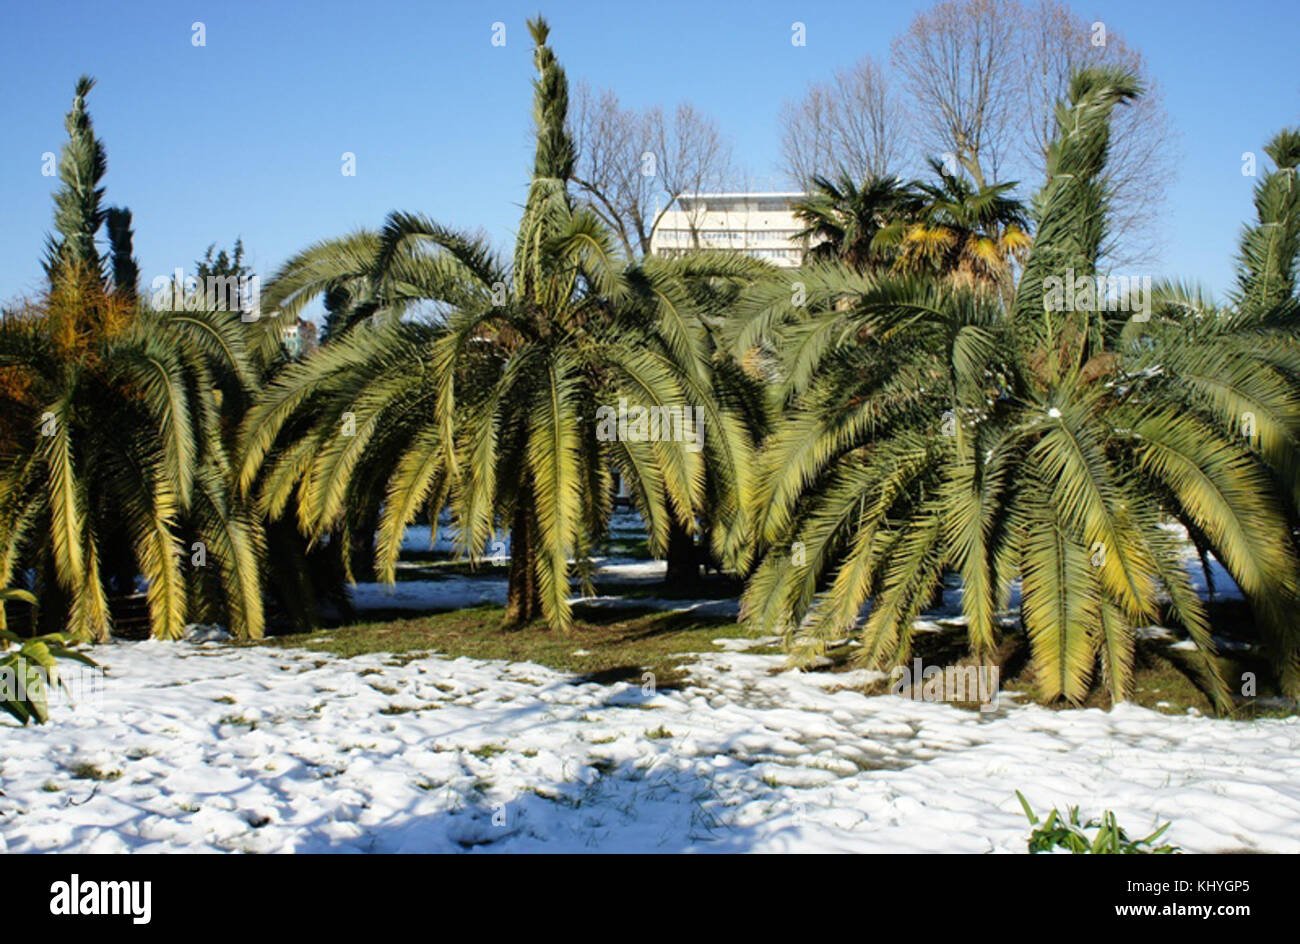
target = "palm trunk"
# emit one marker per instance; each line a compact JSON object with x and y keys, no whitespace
{"x":51,"y":614}
{"x":683,"y":565}
{"x":523,"y":598}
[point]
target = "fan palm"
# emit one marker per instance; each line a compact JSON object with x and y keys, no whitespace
{"x":972,"y":234}
{"x":490,"y":401}
{"x":932,"y":426}
{"x":112,"y":461}
{"x":842,"y":218}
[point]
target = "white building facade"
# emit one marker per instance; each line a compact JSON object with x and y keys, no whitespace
{"x":762,"y":225}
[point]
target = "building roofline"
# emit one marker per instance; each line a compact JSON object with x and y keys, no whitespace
{"x":742,"y":193}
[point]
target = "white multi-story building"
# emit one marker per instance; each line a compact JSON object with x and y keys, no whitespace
{"x":762,"y":225}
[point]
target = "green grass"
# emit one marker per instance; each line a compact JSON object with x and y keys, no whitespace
{"x":1164,"y":679}
{"x":608,"y":645}
{"x":1070,"y":833}
{"x":604,"y":646}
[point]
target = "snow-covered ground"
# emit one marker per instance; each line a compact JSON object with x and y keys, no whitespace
{"x":202,"y":746}
{"x":623,"y":525}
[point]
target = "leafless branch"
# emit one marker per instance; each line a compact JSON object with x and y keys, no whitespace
{"x":852,"y":123}
{"x":633,"y":163}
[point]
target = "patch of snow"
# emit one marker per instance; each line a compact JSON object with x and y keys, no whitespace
{"x":214,"y":748}
{"x":631,"y":569}
{"x":452,"y":592}
{"x":727,"y":608}
{"x":206,"y":632}
{"x":740,"y":645}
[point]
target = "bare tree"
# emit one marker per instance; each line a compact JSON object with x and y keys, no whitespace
{"x":962,"y":72}
{"x":853,"y":123}
{"x":808,"y":141}
{"x":633,"y":164}
{"x":985,"y":78}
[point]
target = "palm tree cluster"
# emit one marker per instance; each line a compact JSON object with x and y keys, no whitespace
{"x":931,"y":427}
{"x":950,"y":228}
{"x":910,"y":410}
{"x":115,"y":440}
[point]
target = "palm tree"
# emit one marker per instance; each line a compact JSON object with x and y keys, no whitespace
{"x":932,"y":426}
{"x":741,"y":390}
{"x":340,"y":272}
{"x":1239,"y":363}
{"x":490,"y":402}
{"x":300,"y":579}
{"x":971,"y":234}
{"x":112,"y":459}
{"x":843,"y":219}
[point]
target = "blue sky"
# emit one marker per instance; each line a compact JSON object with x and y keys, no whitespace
{"x":243,"y":137}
